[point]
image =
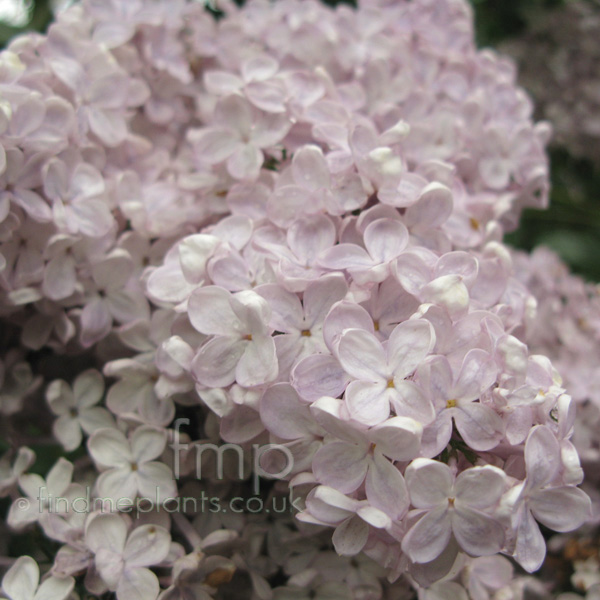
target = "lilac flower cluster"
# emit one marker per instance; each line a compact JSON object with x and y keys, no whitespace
{"x":557,"y":63}
{"x":566,"y":327}
{"x":284,"y":228}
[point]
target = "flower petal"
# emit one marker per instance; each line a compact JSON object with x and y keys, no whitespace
{"x":147,"y":443}
{"x":362,"y":356}
{"x":213,"y":144}
{"x":258,"y":364}
{"x":310,"y":168}
{"x":409,"y":343}
{"x":341,"y":465}
{"x":481,"y":427}
{"x":109,"y":448}
{"x":429,"y":482}
{"x":350,"y":537}
{"x":478,"y":534}
{"x":117,"y":485}
{"x":88,"y":388}
{"x":408,"y":400}
{"x":319,"y":375}
{"x":562,"y":509}
{"x":385,"y":487}
{"x":245,"y":162}
{"x":147,"y":545}
{"x":216,"y":362}
{"x":55,"y":588}
{"x":480,"y":487}
{"x":68,"y":432}
{"x":368,"y":403}
{"x":346,"y":256}
{"x":155,"y":482}
{"x":21,"y":580}
{"x":397,"y":438}
{"x":138,"y":584}
{"x":330,"y":413}
{"x":210,"y":312}
{"x":530,"y":549}
{"x":385,"y":239}
{"x":428,"y":538}
{"x":284,"y":414}
{"x":542,"y":457}
{"x":106,"y":531}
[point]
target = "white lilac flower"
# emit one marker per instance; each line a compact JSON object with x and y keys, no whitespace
{"x":47,"y":501}
{"x":76,"y":408}
{"x":122,"y":559}
{"x":9,"y":474}
{"x":22,"y":582}
{"x":129,"y":468}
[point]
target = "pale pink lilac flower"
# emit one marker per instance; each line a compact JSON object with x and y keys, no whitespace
{"x":116,"y":21}
{"x":300,"y":324}
{"x":444,"y":590}
{"x":357,"y":455}
{"x":197,"y":575}
{"x":487,"y":575}
{"x":241,"y":348}
{"x":458,"y":507}
{"x":101,"y":89}
{"x":309,"y":187}
{"x":543,"y":497}
{"x":22,"y":175}
{"x":76,"y":191}
{"x":443,"y":281}
{"x":458,"y":399}
{"x":134,"y":395}
{"x":379,"y":372}
{"x":60,"y":273}
{"x":295,"y":255}
{"x":110,"y":298}
{"x":352,"y":519}
{"x":258,"y":82}
{"x":384,"y":240}
{"x":239,"y":136}
{"x":288,"y":418}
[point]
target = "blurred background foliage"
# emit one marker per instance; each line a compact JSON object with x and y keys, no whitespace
{"x":572,"y":224}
